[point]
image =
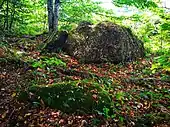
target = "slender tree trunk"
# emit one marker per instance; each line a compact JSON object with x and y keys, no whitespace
{"x":45,"y":19}
{"x":1,"y":17}
{"x":12,"y":19}
{"x":7,"y":15}
{"x":12,"y":15}
{"x":56,"y":13}
{"x":50,"y":15}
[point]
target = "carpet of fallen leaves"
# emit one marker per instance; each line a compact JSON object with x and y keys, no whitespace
{"x":15,"y":77}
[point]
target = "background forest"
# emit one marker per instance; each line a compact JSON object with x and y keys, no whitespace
{"x":54,"y":89}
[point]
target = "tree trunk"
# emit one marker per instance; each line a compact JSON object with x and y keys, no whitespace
{"x":50,"y":15}
{"x":6,"y":16}
{"x":45,"y":19}
{"x":53,"y":9}
{"x":12,"y":16}
{"x":56,"y":13}
{"x":12,"y":19}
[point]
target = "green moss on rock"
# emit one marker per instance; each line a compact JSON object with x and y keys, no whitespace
{"x":69,"y":97}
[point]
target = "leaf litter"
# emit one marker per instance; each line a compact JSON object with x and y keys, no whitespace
{"x":138,"y":93}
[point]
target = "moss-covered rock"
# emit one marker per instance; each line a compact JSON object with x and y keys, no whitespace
{"x":105,"y":42}
{"x":69,"y":97}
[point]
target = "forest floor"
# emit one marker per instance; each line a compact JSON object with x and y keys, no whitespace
{"x":139,"y":95}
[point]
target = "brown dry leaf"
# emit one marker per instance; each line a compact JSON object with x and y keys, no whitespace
{"x":132,"y":114}
{"x":4,"y":115}
{"x":55,"y":113}
{"x":20,"y":117}
{"x":50,"y":81}
{"x":39,"y":69}
{"x":61,"y":121}
{"x":28,"y":114}
{"x":2,"y":53}
{"x":42,"y":103}
{"x":94,"y":97}
{"x":2,"y":76}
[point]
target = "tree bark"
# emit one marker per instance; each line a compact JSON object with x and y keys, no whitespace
{"x":50,"y":15}
{"x":12,"y":20}
{"x":6,"y":16}
{"x":56,"y":13}
{"x":53,"y":11}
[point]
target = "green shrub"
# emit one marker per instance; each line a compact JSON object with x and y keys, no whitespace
{"x":162,"y":62}
{"x":47,"y":62}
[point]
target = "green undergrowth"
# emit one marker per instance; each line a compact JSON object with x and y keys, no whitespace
{"x":162,"y":62}
{"x":115,"y":99}
{"x":148,"y":120}
{"x":47,"y":62}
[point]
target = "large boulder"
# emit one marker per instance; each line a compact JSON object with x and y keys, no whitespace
{"x":104,"y":42}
